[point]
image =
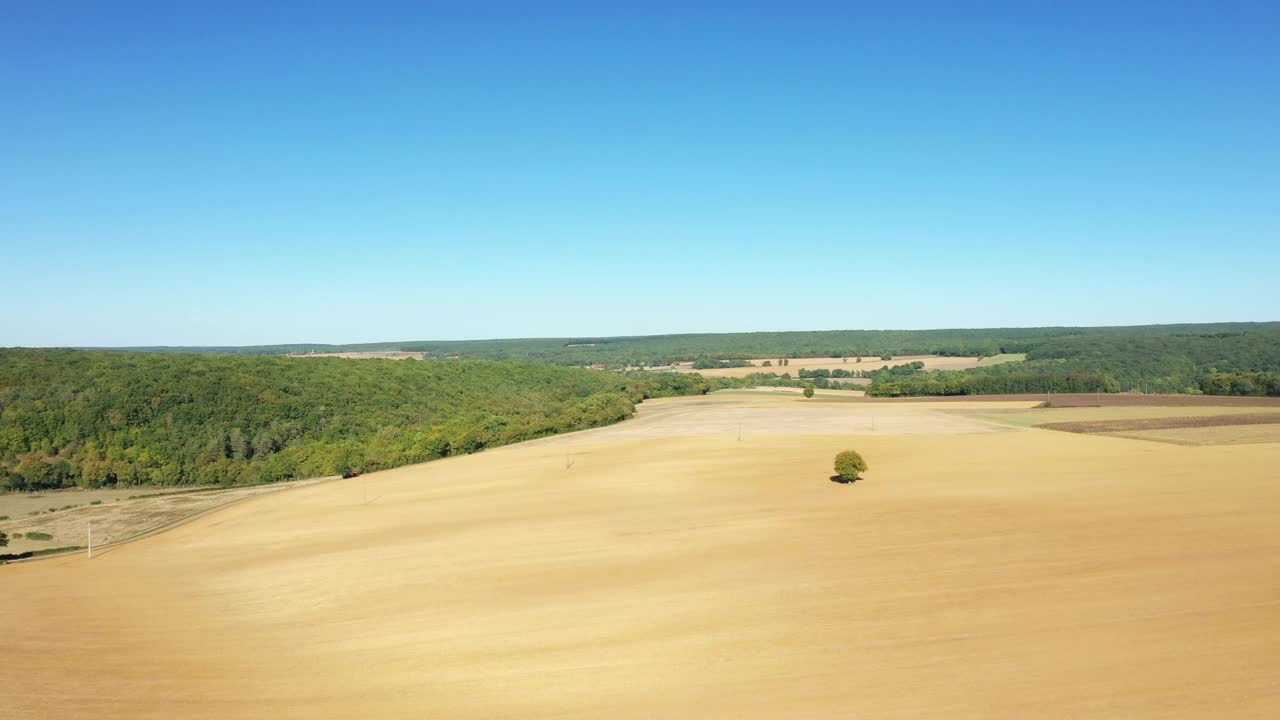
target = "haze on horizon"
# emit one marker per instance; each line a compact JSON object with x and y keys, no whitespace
{"x":246,"y":175}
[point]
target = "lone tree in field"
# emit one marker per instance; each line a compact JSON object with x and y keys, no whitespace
{"x":4,"y":539}
{"x":850,"y":465}
{"x":808,"y":391}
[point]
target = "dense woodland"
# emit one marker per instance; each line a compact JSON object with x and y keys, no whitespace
{"x":1166,"y":364}
{"x":82,"y":418}
{"x":1218,"y":363}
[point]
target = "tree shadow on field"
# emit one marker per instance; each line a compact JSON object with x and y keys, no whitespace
{"x":843,"y":480}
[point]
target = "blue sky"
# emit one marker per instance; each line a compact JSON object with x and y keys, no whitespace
{"x":274,"y":172}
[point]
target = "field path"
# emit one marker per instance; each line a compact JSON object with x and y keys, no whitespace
{"x":674,"y":571}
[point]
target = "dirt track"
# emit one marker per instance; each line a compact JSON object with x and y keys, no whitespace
{"x":1012,"y":574}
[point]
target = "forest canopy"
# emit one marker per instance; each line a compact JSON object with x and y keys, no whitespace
{"x":1219,"y":363}
{"x":70,"y":417}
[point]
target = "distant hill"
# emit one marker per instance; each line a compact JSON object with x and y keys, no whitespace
{"x":662,"y":349}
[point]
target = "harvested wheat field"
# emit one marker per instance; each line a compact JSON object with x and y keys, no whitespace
{"x":366,"y":355}
{"x":795,"y":365}
{"x":666,"y":568}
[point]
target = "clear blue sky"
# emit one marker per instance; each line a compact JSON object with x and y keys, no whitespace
{"x":238,"y":173}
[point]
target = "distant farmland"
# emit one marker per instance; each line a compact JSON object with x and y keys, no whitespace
{"x":867,"y":364}
{"x":371,"y":355}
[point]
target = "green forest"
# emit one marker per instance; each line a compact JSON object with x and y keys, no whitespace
{"x":1178,"y":363}
{"x":70,"y":417}
{"x":1258,"y":384}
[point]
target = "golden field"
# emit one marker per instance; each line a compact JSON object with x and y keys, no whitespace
{"x":795,"y":365}
{"x":695,"y":562}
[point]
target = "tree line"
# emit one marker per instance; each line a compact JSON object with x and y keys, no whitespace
{"x":1010,"y":384}
{"x":1257,"y":384}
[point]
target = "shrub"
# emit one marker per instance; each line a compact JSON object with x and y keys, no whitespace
{"x":4,"y":539}
{"x":39,"y":536}
{"x":4,"y":517}
{"x":850,"y":465}
{"x":808,"y":391}
{"x":96,"y":502}
{"x":54,"y":551}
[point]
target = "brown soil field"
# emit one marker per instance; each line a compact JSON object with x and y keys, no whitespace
{"x":1037,"y":416}
{"x":1222,"y":435}
{"x":382,"y":355}
{"x":1165,"y":423}
{"x":665,"y":568}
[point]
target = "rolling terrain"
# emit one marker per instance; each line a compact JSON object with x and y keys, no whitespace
{"x":663,"y":567}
